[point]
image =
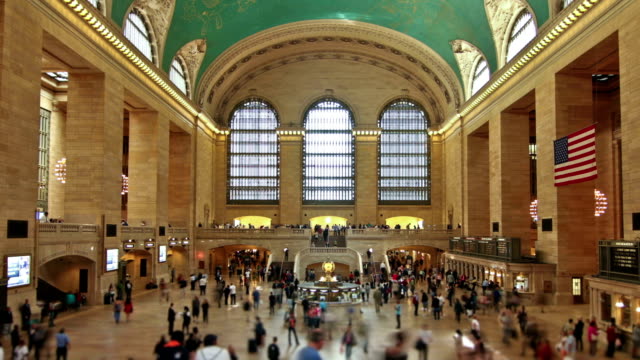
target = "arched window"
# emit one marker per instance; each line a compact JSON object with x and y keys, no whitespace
{"x":178,"y":75}
{"x":328,"y":169}
{"x":480,"y":76}
{"x":95,"y":3}
{"x":254,"y":154}
{"x":523,"y":31}
{"x":566,"y":3}
{"x":404,"y":155}
{"x":137,"y":31}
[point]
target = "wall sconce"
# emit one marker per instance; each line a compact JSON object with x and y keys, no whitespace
{"x":149,"y":243}
{"x":60,"y":171}
{"x":619,"y":304}
{"x":173,"y":242}
{"x":638,"y":309}
{"x":128,"y":245}
{"x":185,"y":241}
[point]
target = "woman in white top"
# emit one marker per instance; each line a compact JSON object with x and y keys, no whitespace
{"x":21,"y":352}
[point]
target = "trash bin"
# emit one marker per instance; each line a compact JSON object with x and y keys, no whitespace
{"x":107,"y":298}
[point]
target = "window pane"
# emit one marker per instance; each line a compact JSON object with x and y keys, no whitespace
{"x":404,"y":154}
{"x":177,"y":76}
{"x":95,"y":3}
{"x":137,"y":32}
{"x":566,"y":3}
{"x":481,"y":76}
{"x":328,"y":154}
{"x":523,"y":31}
{"x":254,"y":159}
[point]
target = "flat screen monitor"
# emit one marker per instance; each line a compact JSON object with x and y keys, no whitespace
{"x":162,"y":253}
{"x":18,"y":270}
{"x":112,"y":260}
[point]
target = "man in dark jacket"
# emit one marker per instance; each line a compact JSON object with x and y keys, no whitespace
{"x":25,"y":314}
{"x":171,"y":318}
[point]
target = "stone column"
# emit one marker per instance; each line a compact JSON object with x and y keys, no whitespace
{"x":21,"y":59}
{"x":148,"y":168}
{"x":477,"y":184}
{"x":220,"y":175}
{"x":180,"y":179}
{"x":572,"y":245}
{"x":291,"y":177}
{"x":94,"y":149}
{"x":629,"y":49}
{"x":510,"y":176}
{"x":366,"y":179}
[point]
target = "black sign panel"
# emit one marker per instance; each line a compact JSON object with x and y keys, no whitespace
{"x":624,"y":260}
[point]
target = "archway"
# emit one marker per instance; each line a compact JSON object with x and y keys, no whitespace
{"x":178,"y":261}
{"x":404,"y":221}
{"x":252,"y":220}
{"x":415,"y":257}
{"x":234,"y":260}
{"x":67,"y":275}
{"x":327,"y":220}
{"x":139,"y":268}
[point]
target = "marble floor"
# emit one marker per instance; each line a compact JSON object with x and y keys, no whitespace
{"x":94,"y":334}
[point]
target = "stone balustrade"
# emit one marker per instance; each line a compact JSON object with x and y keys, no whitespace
{"x":65,"y":232}
{"x":234,"y":233}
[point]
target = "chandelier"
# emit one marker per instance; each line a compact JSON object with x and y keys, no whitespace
{"x":533,"y":210}
{"x":125,"y":184}
{"x":601,"y":202}
{"x":61,"y":170}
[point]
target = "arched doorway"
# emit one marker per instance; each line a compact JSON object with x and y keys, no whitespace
{"x":415,"y":257}
{"x":233,"y":260}
{"x":405,"y":222}
{"x":178,"y":262}
{"x":327,"y":220}
{"x":139,"y":268}
{"x":67,"y":274}
{"x":258,"y":222}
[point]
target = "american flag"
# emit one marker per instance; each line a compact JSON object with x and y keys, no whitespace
{"x":575,"y":157}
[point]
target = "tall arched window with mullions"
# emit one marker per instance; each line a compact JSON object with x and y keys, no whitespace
{"x":254,"y":154}
{"x":136,"y":29}
{"x":404,"y":155}
{"x":328,"y":169}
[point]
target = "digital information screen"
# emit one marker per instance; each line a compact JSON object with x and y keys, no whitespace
{"x":18,"y":270}
{"x":112,"y":260}
{"x":162,"y":253}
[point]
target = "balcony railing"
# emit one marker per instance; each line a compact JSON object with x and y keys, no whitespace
{"x":67,"y":228}
{"x":619,"y":260}
{"x":213,"y":233}
{"x":67,"y":232}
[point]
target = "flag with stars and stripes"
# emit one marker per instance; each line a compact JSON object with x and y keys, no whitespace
{"x":575,"y":157}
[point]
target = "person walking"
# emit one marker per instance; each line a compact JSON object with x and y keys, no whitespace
{"x":458,"y":309}
{"x":227,"y":292}
{"x":425,"y":338}
{"x":398,"y":314}
{"x":348,"y":342}
{"x":260,"y":332}
{"x":612,"y":335}
{"x":377,"y":299}
{"x":203,"y":285}
{"x":232,"y":292}
{"x":171,"y":318}
{"x":205,"y":311}
{"x":312,"y":350}
{"x":128,"y":308}
{"x":25,"y":315}
{"x":578,"y":332}
{"x":117,"y":309}
{"x":592,"y":338}
{"x":62,"y":345}
{"x":20,"y":351}
{"x":175,"y":349}
{"x":272,"y":304}
{"x":195,"y":308}
{"x":416,"y":303}
{"x":256,"y":298}
{"x":186,"y":320}
{"x":291,"y":320}
{"x":273,"y":352}
{"x":424,"y":298}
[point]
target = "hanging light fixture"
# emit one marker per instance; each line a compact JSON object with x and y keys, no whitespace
{"x":125,"y":184}
{"x":601,"y":202}
{"x":533,"y":210}
{"x":61,"y":170}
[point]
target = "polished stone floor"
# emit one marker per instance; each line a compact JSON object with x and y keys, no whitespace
{"x":94,"y":335}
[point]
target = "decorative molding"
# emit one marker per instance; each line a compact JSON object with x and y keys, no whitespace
{"x":381,"y":63}
{"x":500,"y":15}
{"x":466,"y":55}
{"x":368,"y":36}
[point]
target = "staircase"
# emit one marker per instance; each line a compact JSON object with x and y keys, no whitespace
{"x":48,"y":293}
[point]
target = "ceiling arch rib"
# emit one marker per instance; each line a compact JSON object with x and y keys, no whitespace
{"x":193,"y":53}
{"x":368,"y":41}
{"x":467,"y":56}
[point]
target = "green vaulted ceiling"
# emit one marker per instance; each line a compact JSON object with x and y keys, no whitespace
{"x":225,"y":22}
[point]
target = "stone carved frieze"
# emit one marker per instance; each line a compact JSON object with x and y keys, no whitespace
{"x":500,"y":13}
{"x":357,"y":34}
{"x":466,"y":55}
{"x":159,"y":13}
